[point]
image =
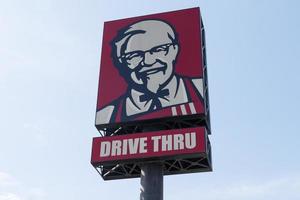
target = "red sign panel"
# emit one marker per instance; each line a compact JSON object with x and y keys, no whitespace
{"x":151,"y":67}
{"x":170,"y":143}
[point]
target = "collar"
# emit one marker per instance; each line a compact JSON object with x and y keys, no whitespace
{"x":177,"y":95}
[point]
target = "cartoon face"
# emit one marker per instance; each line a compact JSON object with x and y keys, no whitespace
{"x":146,"y":52}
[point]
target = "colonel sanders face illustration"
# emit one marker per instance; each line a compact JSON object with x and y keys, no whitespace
{"x":145,"y":54}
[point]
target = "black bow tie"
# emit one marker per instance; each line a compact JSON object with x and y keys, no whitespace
{"x":154,"y":97}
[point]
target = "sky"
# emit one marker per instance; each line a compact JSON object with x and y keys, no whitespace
{"x":49,"y":68}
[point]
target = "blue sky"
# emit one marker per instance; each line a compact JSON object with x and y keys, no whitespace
{"x":49,"y":67}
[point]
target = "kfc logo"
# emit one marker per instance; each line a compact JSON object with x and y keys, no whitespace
{"x":145,"y":53}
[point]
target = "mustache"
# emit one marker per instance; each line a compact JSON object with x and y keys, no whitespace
{"x":143,"y":70}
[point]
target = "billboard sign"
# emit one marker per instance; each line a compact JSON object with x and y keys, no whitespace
{"x":151,"y":68}
{"x":153,"y":96}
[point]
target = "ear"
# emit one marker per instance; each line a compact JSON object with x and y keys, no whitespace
{"x":173,"y":50}
{"x":176,"y":48}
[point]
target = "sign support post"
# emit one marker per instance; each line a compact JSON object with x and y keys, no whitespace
{"x":152,"y":181}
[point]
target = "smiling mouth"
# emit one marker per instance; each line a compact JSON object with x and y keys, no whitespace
{"x":153,"y":71}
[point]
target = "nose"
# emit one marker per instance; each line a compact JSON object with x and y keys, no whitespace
{"x":149,"y":58}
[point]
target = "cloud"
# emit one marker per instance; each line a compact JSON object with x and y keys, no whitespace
{"x":275,"y":189}
{"x":12,"y":189}
{"x":7,"y":180}
{"x":9,"y":196}
{"x":271,"y":189}
{"x":36,"y":193}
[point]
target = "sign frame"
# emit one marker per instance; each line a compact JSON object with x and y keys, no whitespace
{"x":115,"y":128}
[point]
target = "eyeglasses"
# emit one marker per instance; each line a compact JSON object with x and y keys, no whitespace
{"x":135,"y":58}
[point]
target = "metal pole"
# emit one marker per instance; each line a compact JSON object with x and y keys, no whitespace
{"x":152,"y":181}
